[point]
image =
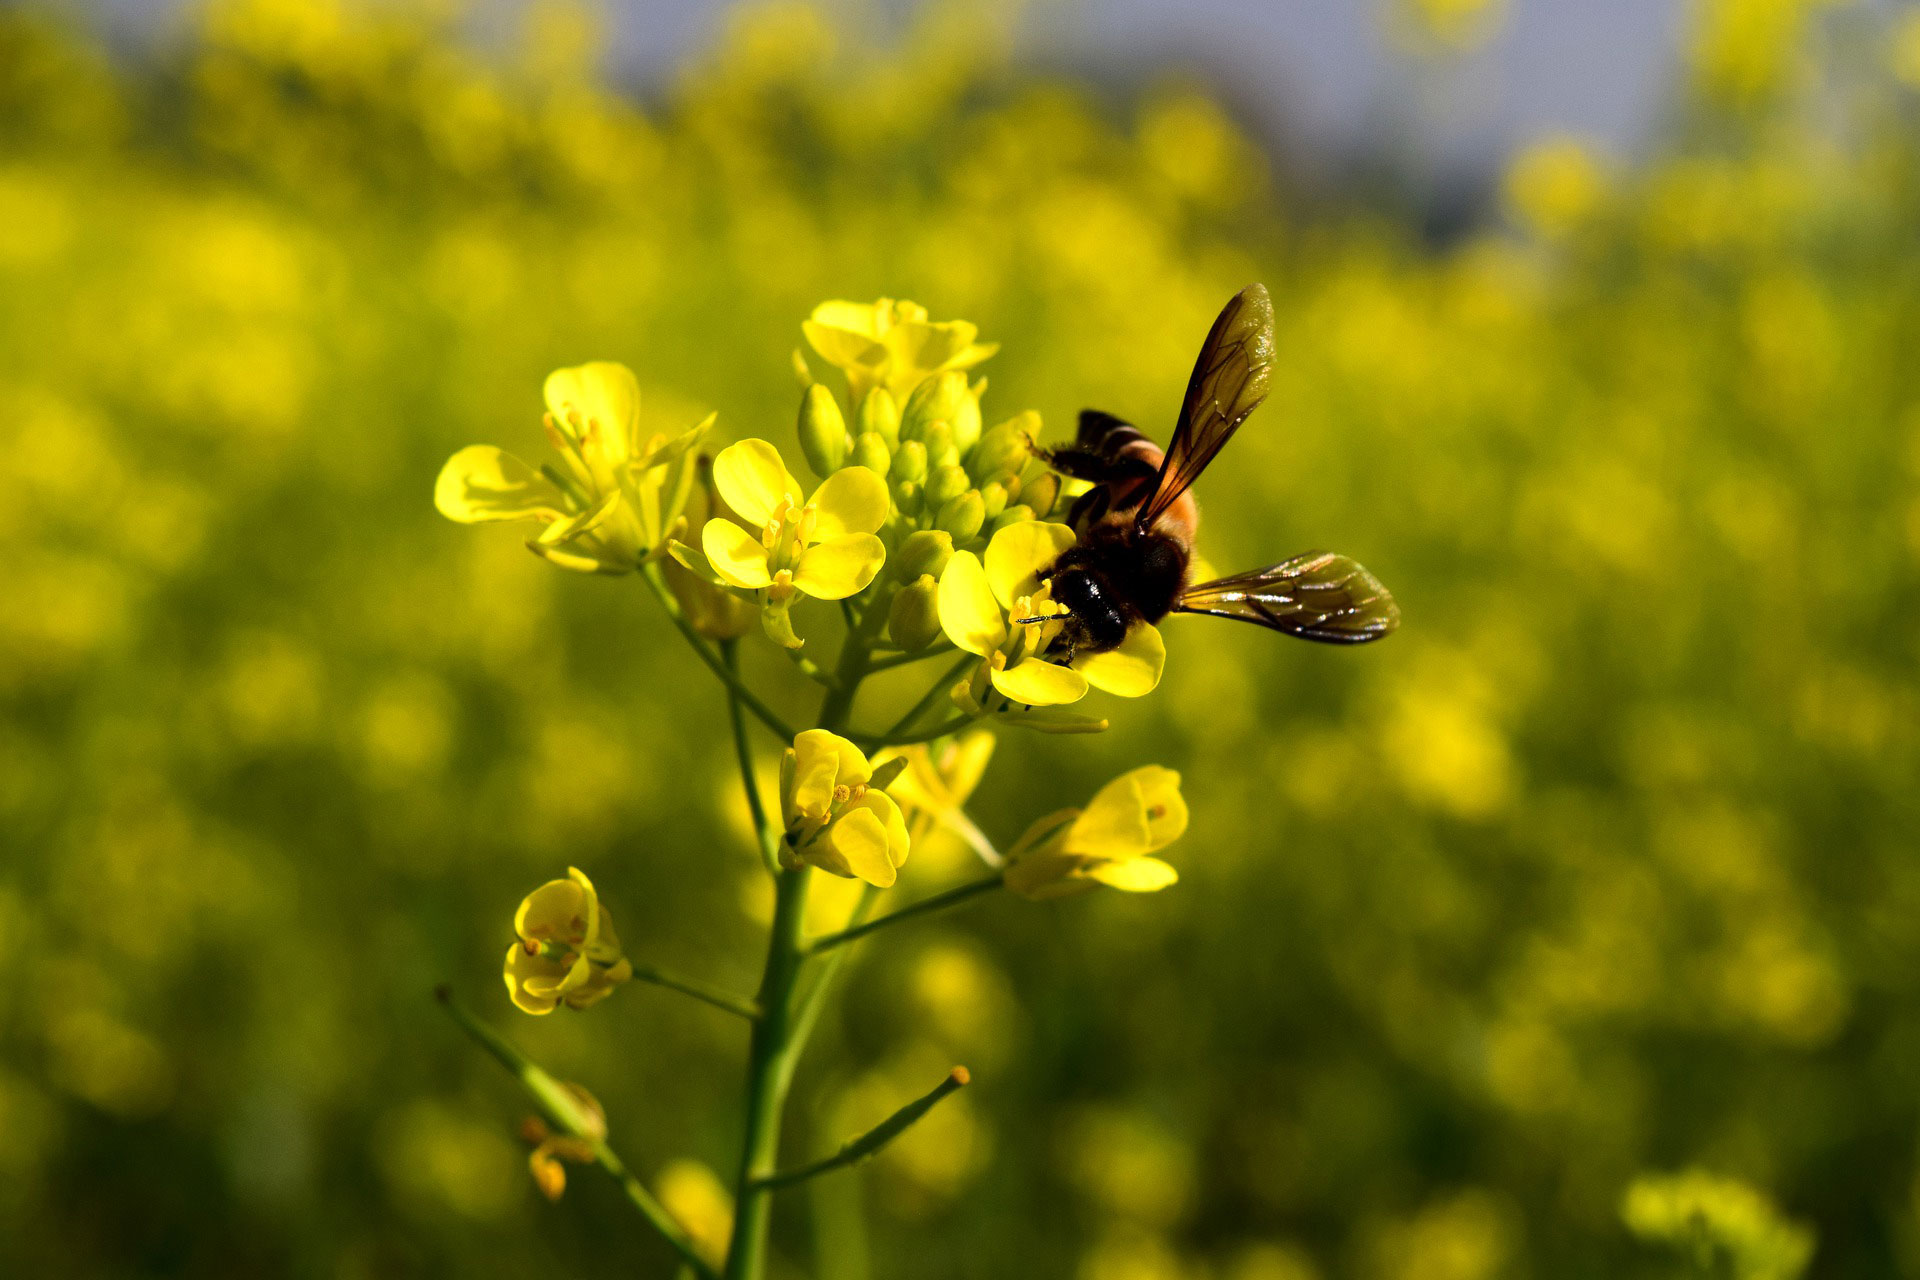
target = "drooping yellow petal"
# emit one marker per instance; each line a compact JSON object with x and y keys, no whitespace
{"x":754,"y":481}
{"x":892,"y":821}
{"x":735,"y":554}
{"x":1040,"y":684}
{"x":851,"y":500}
{"x":605,"y":398}
{"x":1135,"y":875}
{"x":849,"y":765}
{"x":1114,"y":823}
{"x":839,"y":567}
{"x":859,"y":318}
{"x":518,"y":969}
{"x":1131,"y":670}
{"x":856,"y":845}
{"x":1019,"y":553}
{"x":1045,"y":874}
{"x":968,"y":613}
{"x":482,"y":483}
{"x":809,"y":778}
{"x":558,"y":911}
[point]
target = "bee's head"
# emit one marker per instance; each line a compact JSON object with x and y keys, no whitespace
{"x":1095,"y":622}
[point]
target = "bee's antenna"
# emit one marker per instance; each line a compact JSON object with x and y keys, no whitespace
{"x":1021,"y":622}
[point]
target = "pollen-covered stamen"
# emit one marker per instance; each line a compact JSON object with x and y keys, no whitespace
{"x":808,"y":521}
{"x":842,"y":793}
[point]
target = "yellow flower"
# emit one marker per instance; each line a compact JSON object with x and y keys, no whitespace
{"x":834,"y":820}
{"x":824,"y":547}
{"x":614,"y":499}
{"x":551,"y":1148}
{"x":567,"y":950}
{"x":891,"y":344}
{"x":1137,"y":814}
{"x":982,"y":607}
{"x":935,"y":785}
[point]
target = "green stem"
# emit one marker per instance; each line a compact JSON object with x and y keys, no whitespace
{"x":852,"y":669}
{"x":564,"y":1111}
{"x":809,"y":668}
{"x":764,"y":830}
{"x":872,"y":741}
{"x":908,"y":659}
{"x":938,"y":902}
{"x":933,"y":695}
{"x":870,"y":1142}
{"x":698,"y":990}
{"x":769,"y":1071}
{"x":767,"y":716}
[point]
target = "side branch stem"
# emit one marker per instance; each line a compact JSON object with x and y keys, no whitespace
{"x":714,"y":996}
{"x":657,"y":582}
{"x":870,"y":1142}
{"x":938,"y":902}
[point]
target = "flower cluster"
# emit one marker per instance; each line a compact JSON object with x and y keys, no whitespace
{"x":834,"y":813}
{"x":615,"y":498}
{"x":566,"y":952}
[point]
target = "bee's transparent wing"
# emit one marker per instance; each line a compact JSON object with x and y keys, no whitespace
{"x":1316,"y":596}
{"x":1229,"y":381}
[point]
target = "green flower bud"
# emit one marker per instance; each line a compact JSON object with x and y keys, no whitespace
{"x":823,"y":431}
{"x":937,"y":399}
{"x":1041,"y":495}
{"x":963,"y":516}
{"x":910,"y":462}
{"x":871,"y":452}
{"x":994,"y":495}
{"x":941,"y":451}
{"x":966,"y":419}
{"x":1012,"y":515}
{"x":906,"y":497}
{"x":946,"y":484}
{"x":913,"y":621}
{"x":926,"y":551}
{"x":1004,"y":449}
{"x":879,"y":412}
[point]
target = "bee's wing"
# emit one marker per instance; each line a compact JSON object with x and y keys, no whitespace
{"x":1229,"y":382}
{"x":1316,"y":596}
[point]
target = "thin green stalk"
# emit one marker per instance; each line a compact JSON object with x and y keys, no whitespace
{"x":764,"y":831}
{"x":908,"y":659}
{"x":768,"y":1074}
{"x":938,"y":902}
{"x":738,"y":687}
{"x":869,"y":1143}
{"x":714,"y":996}
{"x":809,"y":668}
{"x":952,"y":725}
{"x":563,"y":1109}
{"x":933,"y":695}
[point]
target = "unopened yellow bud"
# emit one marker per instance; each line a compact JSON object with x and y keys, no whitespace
{"x":879,"y":413}
{"x":909,"y":463}
{"x":871,"y":451}
{"x":963,"y":517}
{"x":913,"y":621}
{"x":1041,"y":496}
{"x":823,"y":431}
{"x":945,"y":484}
{"x":1004,"y":449}
{"x":1012,"y":515}
{"x":924,"y":552}
{"x":938,"y":399}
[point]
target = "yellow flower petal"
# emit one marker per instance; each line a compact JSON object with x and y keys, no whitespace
{"x":753,"y":480}
{"x":858,"y":318}
{"x":1139,"y":812}
{"x":482,"y":483}
{"x":968,"y":613}
{"x":735,"y":554}
{"x":558,"y":911}
{"x":851,"y":500}
{"x":1044,"y":875}
{"x":838,"y":567}
{"x":1040,"y":684}
{"x":518,"y":969}
{"x":848,"y":764}
{"x":1135,"y":875}
{"x":1018,"y":554}
{"x":856,"y":845}
{"x":606,"y":398}
{"x":892,"y":821}
{"x":1132,"y":669}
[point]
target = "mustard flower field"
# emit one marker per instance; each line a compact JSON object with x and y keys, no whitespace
{"x":1573,"y":930}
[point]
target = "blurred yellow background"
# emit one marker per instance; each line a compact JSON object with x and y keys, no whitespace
{"x":1602,"y":869}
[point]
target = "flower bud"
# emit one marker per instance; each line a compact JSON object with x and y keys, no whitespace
{"x":946,"y":484}
{"x":871,"y":451}
{"x":1042,"y":495}
{"x":1004,"y":450}
{"x":938,"y":399}
{"x":906,"y":497}
{"x":941,"y":451}
{"x":913,"y":621}
{"x":926,"y":551}
{"x":823,"y":431}
{"x":879,"y":412}
{"x":1012,"y":515}
{"x":993,"y":495}
{"x":963,"y":516}
{"x":966,"y":419}
{"x":910,"y":462}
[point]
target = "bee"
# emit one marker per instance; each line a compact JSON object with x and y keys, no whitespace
{"x":1133,"y":562}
